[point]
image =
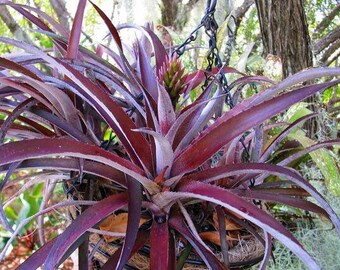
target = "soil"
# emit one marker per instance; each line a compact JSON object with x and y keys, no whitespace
{"x":20,"y":253}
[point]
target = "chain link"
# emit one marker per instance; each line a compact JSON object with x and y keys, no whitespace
{"x":210,"y":26}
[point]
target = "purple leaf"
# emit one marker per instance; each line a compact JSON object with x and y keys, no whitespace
{"x":160,"y":239}
{"x":74,"y":38}
{"x":28,"y":149}
{"x":86,"y":220}
{"x":90,"y":167}
{"x":234,"y":123}
{"x":201,"y":119}
{"x":3,"y":217}
{"x":194,"y":79}
{"x":135,"y":144}
{"x":109,"y":25}
{"x":37,"y":21}
{"x":283,"y":135}
{"x":267,"y":251}
{"x":270,"y":195}
{"x":37,"y":258}
{"x":214,"y":174}
{"x":166,"y":113}
{"x":112,"y":262}
{"x":134,"y":205}
{"x":147,"y":73}
{"x":301,"y":153}
{"x":62,"y":124}
{"x":246,"y":210}
{"x":164,"y":152}
{"x":7,"y":64}
{"x":177,"y":223}
{"x":13,"y":115}
{"x":60,"y":101}
{"x":159,"y":50}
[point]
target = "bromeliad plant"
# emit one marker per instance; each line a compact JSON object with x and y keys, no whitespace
{"x":172,"y":175}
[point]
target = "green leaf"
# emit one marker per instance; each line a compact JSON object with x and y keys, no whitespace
{"x":25,"y":209}
{"x":324,"y":161}
{"x":10,"y":213}
{"x":37,"y":190}
{"x":297,"y":111}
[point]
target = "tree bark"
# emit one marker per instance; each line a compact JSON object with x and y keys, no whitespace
{"x":285,"y":33}
{"x":176,"y":14}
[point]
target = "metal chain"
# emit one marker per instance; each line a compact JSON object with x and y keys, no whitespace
{"x":214,"y":60}
{"x":210,"y":26}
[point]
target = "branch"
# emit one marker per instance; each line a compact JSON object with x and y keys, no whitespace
{"x":328,"y":53}
{"x":242,"y":10}
{"x":13,"y":26}
{"x":333,"y":58}
{"x":59,"y":6}
{"x":324,"y":42}
{"x":239,"y":14}
{"x":326,"y":21}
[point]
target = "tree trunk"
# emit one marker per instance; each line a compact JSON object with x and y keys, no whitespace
{"x":175,"y":13}
{"x":285,"y":35}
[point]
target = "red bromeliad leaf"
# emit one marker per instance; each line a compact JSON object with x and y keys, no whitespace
{"x":147,"y":73}
{"x":177,"y":223}
{"x":15,"y":115}
{"x":267,"y":251}
{"x":134,"y":205}
{"x":28,"y":149}
{"x":202,"y":119}
{"x":21,"y":132}
{"x":37,"y":258}
{"x":21,"y":8}
{"x":194,"y":79}
{"x":164,"y":153}
{"x":250,"y":79}
{"x":86,"y":220}
{"x":60,"y":101}
{"x":300,"y":77}
{"x":110,"y":26}
{"x":69,"y":164}
{"x":160,"y":239}
{"x":234,"y":123}
{"x":113,"y":261}
{"x":74,"y":38}
{"x":166,"y":113}
{"x":183,"y":120}
{"x":62,"y":124}
{"x":31,"y":17}
{"x":241,"y":207}
{"x":272,"y":196}
{"x":307,"y":150}
{"x":301,"y":153}
{"x":159,"y":50}
{"x":135,"y":144}
{"x":283,"y":135}
{"x":29,"y":90}
{"x":7,"y":64}
{"x":214,"y":174}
